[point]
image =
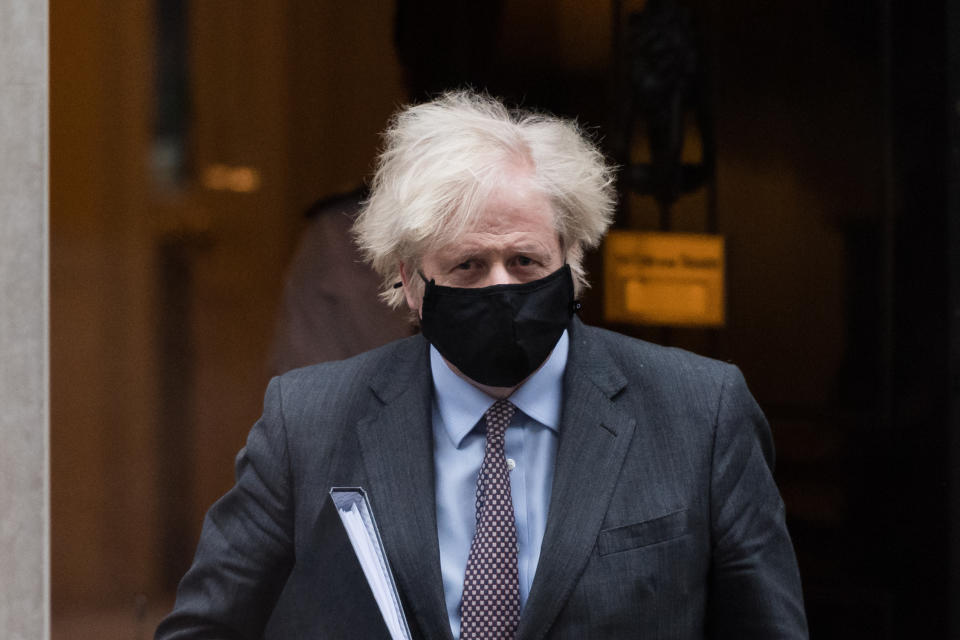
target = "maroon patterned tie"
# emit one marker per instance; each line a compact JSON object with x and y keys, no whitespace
{"x":490,"y":608}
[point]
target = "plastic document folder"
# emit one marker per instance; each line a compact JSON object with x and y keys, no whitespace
{"x":366,"y":576}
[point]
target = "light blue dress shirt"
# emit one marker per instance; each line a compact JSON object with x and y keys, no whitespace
{"x":531,"y":445}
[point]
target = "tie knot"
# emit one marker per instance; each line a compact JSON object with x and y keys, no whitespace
{"x":498,"y":417}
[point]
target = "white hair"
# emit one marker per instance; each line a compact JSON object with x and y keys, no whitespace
{"x":443,"y":159}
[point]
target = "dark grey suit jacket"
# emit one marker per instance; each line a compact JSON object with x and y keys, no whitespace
{"x":664,"y":520}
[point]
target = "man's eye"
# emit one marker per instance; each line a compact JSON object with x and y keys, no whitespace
{"x":524,"y":261}
{"x":464,"y":265}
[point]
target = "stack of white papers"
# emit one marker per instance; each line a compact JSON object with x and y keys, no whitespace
{"x":358,"y":521}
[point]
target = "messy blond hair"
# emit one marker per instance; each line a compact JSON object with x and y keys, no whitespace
{"x":443,"y":159}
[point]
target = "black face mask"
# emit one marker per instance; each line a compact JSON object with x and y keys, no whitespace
{"x":498,"y":335}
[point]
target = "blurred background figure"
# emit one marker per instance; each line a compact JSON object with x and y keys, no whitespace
{"x":330,"y":308}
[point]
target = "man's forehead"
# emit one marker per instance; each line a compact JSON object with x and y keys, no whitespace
{"x":515,"y":217}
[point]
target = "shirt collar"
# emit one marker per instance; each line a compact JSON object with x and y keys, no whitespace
{"x":461,"y":405}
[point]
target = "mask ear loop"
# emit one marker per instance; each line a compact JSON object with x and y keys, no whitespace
{"x":576,"y":305}
{"x":399,"y":283}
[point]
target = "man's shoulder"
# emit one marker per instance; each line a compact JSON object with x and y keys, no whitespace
{"x":366,"y":365}
{"x":342,"y":391}
{"x":665,"y":381}
{"x":637,"y":358}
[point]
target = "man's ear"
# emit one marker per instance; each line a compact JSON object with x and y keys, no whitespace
{"x":410,"y":291}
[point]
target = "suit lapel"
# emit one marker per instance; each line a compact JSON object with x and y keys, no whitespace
{"x":397,"y":447}
{"x":594,"y":437}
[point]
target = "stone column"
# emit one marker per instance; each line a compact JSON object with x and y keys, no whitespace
{"x":24,"y":482}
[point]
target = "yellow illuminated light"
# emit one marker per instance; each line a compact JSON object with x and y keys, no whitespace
{"x":664,"y":278}
{"x":221,"y":177}
{"x":665,"y":298}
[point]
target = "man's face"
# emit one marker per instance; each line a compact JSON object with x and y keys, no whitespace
{"x":514,"y":241}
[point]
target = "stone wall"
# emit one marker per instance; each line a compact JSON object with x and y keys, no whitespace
{"x":24,"y":495}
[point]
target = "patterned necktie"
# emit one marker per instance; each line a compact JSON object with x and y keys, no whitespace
{"x":490,"y":608}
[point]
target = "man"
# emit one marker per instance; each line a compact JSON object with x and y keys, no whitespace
{"x":610,"y":488}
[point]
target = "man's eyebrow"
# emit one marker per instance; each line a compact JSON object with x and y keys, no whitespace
{"x":531,"y":247}
{"x":467,"y":248}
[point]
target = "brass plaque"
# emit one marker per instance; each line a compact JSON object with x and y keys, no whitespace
{"x":664,"y":278}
